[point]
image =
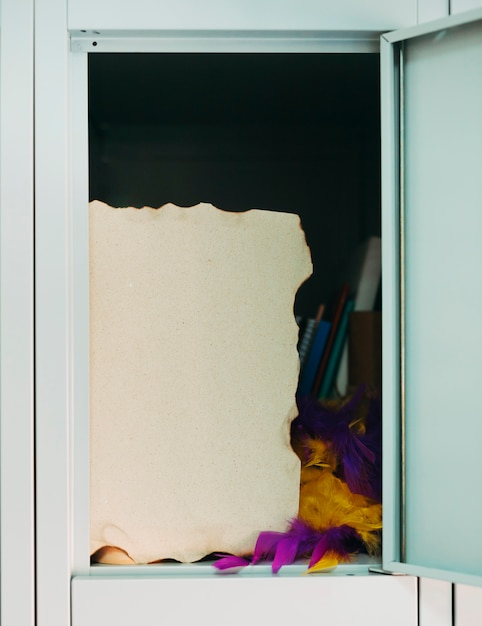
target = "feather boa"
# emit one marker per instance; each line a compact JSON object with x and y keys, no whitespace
{"x":340,"y":511}
{"x":351,"y":431}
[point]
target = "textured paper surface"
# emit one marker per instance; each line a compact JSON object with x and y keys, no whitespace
{"x":193,"y":377}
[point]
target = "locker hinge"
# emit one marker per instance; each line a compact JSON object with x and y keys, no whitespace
{"x":380,"y":570}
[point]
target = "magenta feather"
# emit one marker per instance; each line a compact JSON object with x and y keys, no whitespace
{"x":286,"y":552}
{"x":266,"y":544}
{"x":230,"y":563}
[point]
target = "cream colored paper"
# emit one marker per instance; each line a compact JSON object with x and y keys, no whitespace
{"x":194,"y":370}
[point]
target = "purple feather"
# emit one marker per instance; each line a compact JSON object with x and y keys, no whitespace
{"x":306,"y":536}
{"x":342,"y":540}
{"x":358,"y":451}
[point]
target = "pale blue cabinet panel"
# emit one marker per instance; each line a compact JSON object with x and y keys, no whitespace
{"x":433,"y":482}
{"x":458,"y":6}
{"x":440,"y":299}
{"x":374,"y":15}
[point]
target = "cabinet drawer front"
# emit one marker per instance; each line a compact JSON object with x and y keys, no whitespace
{"x":338,"y":600}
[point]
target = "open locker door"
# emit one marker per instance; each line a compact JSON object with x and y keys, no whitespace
{"x":432,"y":260}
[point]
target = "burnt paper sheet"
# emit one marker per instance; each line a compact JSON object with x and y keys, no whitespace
{"x":193,"y":372}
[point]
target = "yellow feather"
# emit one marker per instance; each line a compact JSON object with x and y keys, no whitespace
{"x":327,"y":562}
{"x":327,"y":502}
{"x":319,"y":454}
